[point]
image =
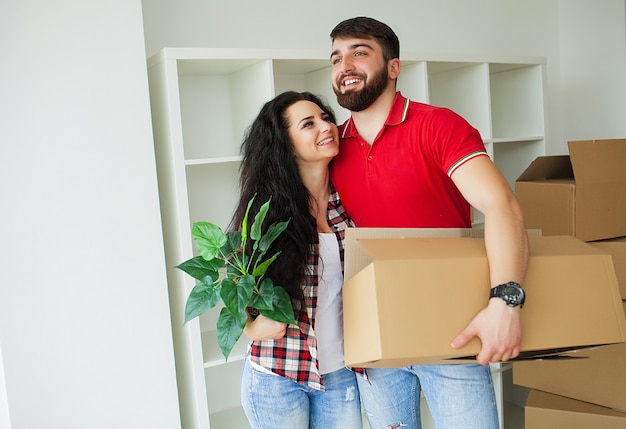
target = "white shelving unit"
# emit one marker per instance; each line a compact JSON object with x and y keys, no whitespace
{"x":202,"y":102}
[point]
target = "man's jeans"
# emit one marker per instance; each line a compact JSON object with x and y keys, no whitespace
{"x":459,"y":396}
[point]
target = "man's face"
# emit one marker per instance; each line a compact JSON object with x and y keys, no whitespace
{"x":359,"y":73}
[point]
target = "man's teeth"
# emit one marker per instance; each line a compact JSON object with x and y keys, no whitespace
{"x":351,"y":81}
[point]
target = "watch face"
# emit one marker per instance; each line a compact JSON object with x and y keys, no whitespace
{"x":511,"y":290}
{"x":513,"y":295}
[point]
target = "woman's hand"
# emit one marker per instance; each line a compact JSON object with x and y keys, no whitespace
{"x":264,"y":328}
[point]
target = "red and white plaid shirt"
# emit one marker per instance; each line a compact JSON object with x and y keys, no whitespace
{"x":295,"y":355}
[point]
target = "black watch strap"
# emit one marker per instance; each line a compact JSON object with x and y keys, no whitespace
{"x":511,"y":293}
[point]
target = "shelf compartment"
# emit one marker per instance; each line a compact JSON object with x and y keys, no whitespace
{"x":223,"y":393}
{"x":213,"y":192}
{"x":219,"y":99}
{"x":512,"y":157}
{"x":516,"y":100}
{"x":463,"y":88}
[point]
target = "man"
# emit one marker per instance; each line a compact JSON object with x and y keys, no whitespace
{"x":407,"y":164}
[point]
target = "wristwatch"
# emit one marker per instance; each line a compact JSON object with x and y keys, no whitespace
{"x":511,"y":293}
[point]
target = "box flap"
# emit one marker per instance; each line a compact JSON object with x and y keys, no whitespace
{"x":547,"y":401}
{"x":548,"y":168}
{"x":600,"y":188}
{"x":596,"y":375}
{"x":412,"y":248}
{"x":598,"y":161}
{"x":356,"y":258}
{"x":617,"y":248}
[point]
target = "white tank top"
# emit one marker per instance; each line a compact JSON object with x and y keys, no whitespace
{"x":329,"y":315}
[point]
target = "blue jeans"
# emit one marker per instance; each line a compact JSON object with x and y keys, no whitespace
{"x":274,"y":402}
{"x":459,"y":396}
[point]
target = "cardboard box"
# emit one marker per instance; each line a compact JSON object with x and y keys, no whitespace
{"x":583,"y":194}
{"x":617,"y":248}
{"x":546,"y":411}
{"x":595,"y":375}
{"x":409,"y":297}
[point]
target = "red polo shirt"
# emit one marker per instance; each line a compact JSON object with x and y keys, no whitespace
{"x":403,"y":179}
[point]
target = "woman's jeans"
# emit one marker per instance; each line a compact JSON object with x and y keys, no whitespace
{"x":274,"y":402}
{"x":459,"y":396}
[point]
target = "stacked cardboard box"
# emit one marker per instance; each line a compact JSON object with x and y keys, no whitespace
{"x":594,"y":376}
{"x":547,"y":411}
{"x":583,"y":195}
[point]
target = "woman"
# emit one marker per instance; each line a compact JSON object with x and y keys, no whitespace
{"x":294,"y":376}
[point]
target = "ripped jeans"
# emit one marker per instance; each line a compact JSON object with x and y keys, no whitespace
{"x":274,"y":402}
{"x":459,"y":396}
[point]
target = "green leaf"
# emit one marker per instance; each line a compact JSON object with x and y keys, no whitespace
{"x":233,"y":243}
{"x":244,"y":222}
{"x":203,"y":297}
{"x":236,"y":295}
{"x":260,"y":269}
{"x":255,"y":231}
{"x":199,"y":268}
{"x":209,"y":239}
{"x":263,"y":299}
{"x":272,"y":234}
{"x":283,"y":310}
{"x":229,"y":329}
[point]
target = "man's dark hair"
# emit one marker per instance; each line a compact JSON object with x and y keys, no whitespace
{"x":368,"y":28}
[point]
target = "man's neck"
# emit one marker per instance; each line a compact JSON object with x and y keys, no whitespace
{"x":370,"y":121}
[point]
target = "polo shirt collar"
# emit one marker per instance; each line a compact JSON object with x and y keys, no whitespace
{"x":396,"y":116}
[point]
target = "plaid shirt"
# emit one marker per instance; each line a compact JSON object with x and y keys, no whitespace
{"x":295,"y":355}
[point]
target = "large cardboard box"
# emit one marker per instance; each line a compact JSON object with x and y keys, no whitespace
{"x":617,"y":248}
{"x":408,"y":298}
{"x":546,"y":411}
{"x":583,"y":194}
{"x":596,"y":375}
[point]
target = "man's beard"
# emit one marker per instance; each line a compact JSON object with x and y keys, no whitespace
{"x":355,"y":101}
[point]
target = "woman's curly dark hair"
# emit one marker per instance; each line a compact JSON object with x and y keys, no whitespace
{"x":269,"y":169}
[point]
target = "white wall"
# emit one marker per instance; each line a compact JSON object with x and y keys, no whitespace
{"x":582,"y":40}
{"x":5,"y":420}
{"x":593,"y":69}
{"x":84,"y":327}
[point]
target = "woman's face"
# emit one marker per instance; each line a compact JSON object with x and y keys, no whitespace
{"x":314,"y":137}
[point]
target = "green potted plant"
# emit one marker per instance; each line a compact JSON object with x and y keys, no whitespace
{"x":231,"y":268}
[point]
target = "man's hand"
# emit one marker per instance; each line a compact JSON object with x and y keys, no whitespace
{"x":499,"y":329}
{"x":264,"y":328}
